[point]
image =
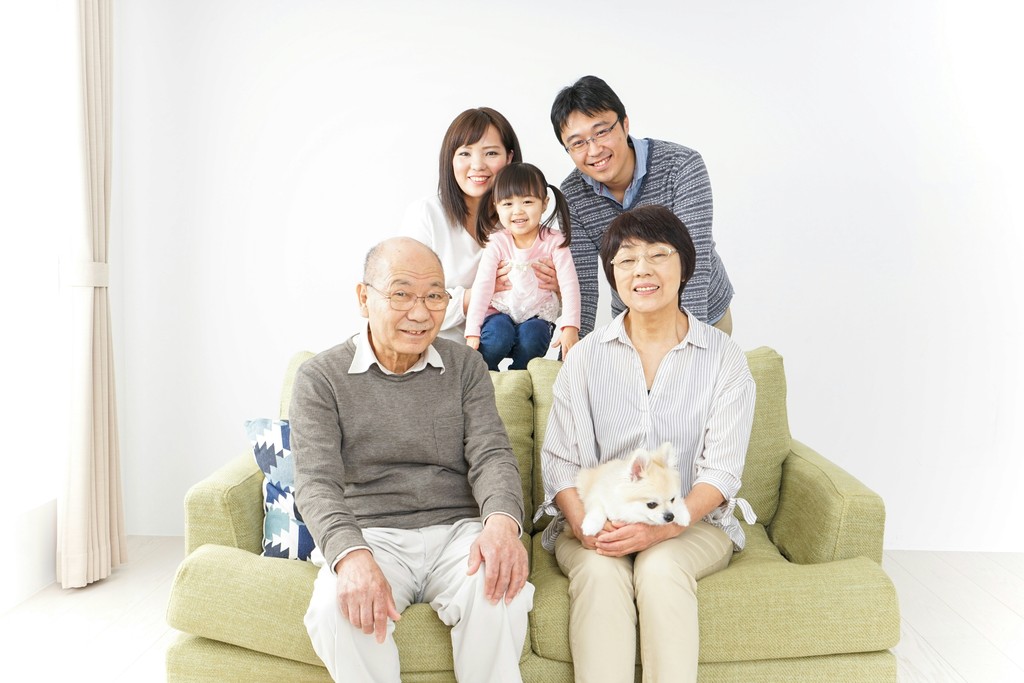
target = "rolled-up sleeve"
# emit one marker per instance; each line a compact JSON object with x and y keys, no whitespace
{"x":727,"y":434}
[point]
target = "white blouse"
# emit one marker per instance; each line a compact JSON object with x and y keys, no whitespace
{"x":459,"y":253}
{"x":702,"y":401}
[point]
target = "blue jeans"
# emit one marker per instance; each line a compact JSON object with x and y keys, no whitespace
{"x":501,"y":337}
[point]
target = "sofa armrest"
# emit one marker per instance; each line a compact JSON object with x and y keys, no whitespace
{"x":825,"y":513}
{"x":226,"y":508}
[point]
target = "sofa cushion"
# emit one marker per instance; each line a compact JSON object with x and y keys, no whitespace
{"x":765,"y":607}
{"x":542,"y":372}
{"x":513,"y":394}
{"x":284,"y":533}
{"x":237,"y":597}
{"x":221,"y":593}
{"x":804,"y":613}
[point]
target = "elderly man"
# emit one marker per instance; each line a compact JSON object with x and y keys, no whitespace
{"x":616,"y":172}
{"x":405,"y":476}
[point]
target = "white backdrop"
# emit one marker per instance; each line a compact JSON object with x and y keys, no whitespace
{"x":865,"y":160}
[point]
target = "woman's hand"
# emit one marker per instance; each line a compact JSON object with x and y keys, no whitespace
{"x":624,"y":539}
{"x":568,"y":501}
{"x":502,"y":282}
{"x":547,"y":279}
{"x":588,"y":542}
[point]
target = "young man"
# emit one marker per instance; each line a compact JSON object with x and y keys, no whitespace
{"x":615,"y":173}
{"x":406,"y":479}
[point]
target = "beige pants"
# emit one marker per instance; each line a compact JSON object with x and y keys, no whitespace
{"x":423,"y":565}
{"x":607,"y":595}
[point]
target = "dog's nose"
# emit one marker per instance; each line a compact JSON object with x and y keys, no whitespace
{"x":669,"y":516}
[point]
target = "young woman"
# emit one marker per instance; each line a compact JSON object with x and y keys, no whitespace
{"x":477,"y":144}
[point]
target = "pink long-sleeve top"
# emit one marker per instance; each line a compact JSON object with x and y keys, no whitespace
{"x":501,"y":246}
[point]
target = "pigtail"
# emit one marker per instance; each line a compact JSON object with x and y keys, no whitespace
{"x":486,"y":217}
{"x":562,"y":213}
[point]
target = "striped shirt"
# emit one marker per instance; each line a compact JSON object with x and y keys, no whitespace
{"x":702,"y":401}
{"x":677,"y":178}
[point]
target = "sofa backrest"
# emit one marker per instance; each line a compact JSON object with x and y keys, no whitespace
{"x":769,"y":438}
{"x":513,"y":394}
{"x":524,"y":401}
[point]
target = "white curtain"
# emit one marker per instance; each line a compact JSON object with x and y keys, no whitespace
{"x":91,"y":538}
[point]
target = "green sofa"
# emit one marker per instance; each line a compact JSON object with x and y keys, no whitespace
{"x":807,"y":600}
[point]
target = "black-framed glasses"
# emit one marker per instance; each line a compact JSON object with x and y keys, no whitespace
{"x":404,"y":300}
{"x":655,"y":257}
{"x":580,"y":145}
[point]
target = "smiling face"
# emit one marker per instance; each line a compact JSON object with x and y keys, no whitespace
{"x":647,"y":288}
{"x":521,"y":216}
{"x":609,"y":160}
{"x":475,"y":164}
{"x":399,"y":338}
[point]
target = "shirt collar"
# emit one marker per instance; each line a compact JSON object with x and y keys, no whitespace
{"x":640,"y":147}
{"x":364,"y":357}
{"x":697,"y":334}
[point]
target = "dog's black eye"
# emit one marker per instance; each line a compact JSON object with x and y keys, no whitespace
{"x":652,"y":505}
{"x":673,"y":500}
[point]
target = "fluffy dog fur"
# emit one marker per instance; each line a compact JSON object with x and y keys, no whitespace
{"x":645,"y":487}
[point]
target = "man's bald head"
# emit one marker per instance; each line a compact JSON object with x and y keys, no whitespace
{"x":402,"y":267}
{"x":384,"y":253}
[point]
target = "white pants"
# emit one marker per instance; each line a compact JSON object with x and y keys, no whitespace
{"x":423,"y":565}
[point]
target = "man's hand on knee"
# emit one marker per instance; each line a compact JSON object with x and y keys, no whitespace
{"x":504,"y":558}
{"x":364,"y":595}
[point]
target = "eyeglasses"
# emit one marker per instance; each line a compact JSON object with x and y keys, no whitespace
{"x":655,"y":257}
{"x":579,"y":145}
{"x":402,"y":300}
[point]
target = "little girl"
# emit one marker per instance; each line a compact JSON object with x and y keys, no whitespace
{"x":520,"y":322}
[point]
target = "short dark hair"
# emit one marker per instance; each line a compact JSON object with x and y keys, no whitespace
{"x":652,"y":223}
{"x":467,"y":128}
{"x":589,"y":95}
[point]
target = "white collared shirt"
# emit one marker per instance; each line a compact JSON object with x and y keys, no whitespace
{"x":364,"y":357}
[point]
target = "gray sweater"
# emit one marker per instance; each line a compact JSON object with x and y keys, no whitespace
{"x":400,"y":451}
{"x":676,"y":178}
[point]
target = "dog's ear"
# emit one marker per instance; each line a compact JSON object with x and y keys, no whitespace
{"x":668,"y":455}
{"x":638,"y":465}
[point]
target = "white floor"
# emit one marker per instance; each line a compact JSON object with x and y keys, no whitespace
{"x":113,"y":630}
{"x":963,"y":615}
{"x":963,"y":619}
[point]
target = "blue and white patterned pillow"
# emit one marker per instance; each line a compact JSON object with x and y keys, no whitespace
{"x":284,"y":532}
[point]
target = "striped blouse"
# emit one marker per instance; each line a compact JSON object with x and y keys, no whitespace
{"x":702,"y":401}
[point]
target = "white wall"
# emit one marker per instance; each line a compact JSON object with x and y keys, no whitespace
{"x":864,"y":158}
{"x":41,"y":190}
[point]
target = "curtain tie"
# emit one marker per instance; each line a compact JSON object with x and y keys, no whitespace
{"x":85,"y":274}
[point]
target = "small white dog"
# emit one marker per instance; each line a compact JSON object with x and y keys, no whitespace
{"x":645,"y":487}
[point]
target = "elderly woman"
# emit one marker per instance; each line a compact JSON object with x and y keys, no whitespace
{"x":478,"y":144}
{"x":654,"y":374}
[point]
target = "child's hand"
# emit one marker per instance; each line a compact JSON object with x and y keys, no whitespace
{"x":473,"y":342}
{"x":567,"y":339}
